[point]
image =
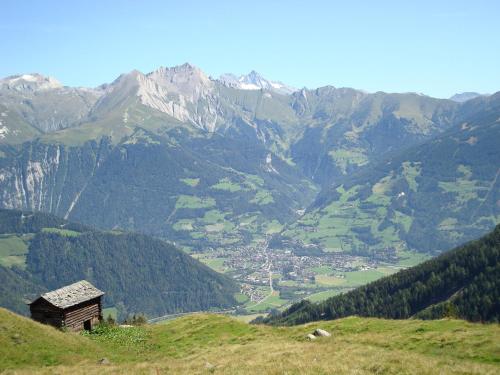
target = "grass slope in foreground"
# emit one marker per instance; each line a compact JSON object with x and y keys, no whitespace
{"x":200,"y":344}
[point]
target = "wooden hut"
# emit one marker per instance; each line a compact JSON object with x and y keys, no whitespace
{"x":77,"y":307}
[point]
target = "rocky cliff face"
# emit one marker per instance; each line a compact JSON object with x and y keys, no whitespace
{"x":184,"y":93}
{"x":50,"y":178}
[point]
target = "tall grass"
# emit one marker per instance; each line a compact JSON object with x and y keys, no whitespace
{"x":202,"y":344}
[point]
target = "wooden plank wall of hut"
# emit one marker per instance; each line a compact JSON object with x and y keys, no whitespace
{"x":75,"y":316}
{"x":46,"y":313}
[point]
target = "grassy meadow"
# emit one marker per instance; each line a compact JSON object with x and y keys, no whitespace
{"x":204,"y":344}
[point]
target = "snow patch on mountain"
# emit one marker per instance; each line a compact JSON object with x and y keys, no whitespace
{"x":248,"y":86}
{"x":26,"y":77}
{"x":4,"y":130}
{"x":254,"y":81}
{"x":269,"y":164}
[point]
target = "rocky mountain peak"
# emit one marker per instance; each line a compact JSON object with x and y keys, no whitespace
{"x":134,"y":83}
{"x":174,"y":91}
{"x":464,"y":96}
{"x":131,"y":78}
{"x":187,"y":80}
{"x":255,"y":81}
{"x":30,"y":82}
{"x":253,"y":76}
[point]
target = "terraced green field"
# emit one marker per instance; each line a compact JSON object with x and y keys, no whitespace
{"x":227,"y":185}
{"x":217,"y":217}
{"x":13,"y":250}
{"x":62,"y":232}
{"x":272,"y":301}
{"x":191,"y":201}
{"x":345,"y":157}
{"x":321,"y":296}
{"x":191,"y":181}
{"x":339,"y":225}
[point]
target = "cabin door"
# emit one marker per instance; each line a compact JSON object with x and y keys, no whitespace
{"x":87,"y":325}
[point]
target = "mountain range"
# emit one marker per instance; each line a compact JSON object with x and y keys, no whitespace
{"x":212,"y":163}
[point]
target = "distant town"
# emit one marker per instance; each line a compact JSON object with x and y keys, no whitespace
{"x":261,"y":270}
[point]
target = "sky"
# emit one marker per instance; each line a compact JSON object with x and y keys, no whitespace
{"x":433,"y":47}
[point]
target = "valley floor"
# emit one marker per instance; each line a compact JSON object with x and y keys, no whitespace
{"x":202,"y":344}
{"x":296,"y":277}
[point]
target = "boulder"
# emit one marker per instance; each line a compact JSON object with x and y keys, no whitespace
{"x":210,"y":367}
{"x":104,"y":361}
{"x":321,"y":333}
{"x":16,"y":337}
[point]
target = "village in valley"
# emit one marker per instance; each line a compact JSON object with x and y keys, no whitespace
{"x":274,"y":277}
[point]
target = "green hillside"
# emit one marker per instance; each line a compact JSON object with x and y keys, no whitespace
{"x":463,"y":283}
{"x":427,"y":198}
{"x":145,"y":183}
{"x":13,"y":128}
{"x":17,"y":288}
{"x":346,"y":128}
{"x":138,"y":273}
{"x":201,"y":344}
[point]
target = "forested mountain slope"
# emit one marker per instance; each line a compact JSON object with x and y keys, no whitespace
{"x":462,"y":283}
{"x":428,"y":198}
{"x":210,"y":161}
{"x":138,"y":273}
{"x":347,"y":129}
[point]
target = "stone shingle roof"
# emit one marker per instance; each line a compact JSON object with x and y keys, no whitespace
{"x":72,"y":295}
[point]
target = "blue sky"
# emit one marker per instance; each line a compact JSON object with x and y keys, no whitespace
{"x":434,"y":47}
